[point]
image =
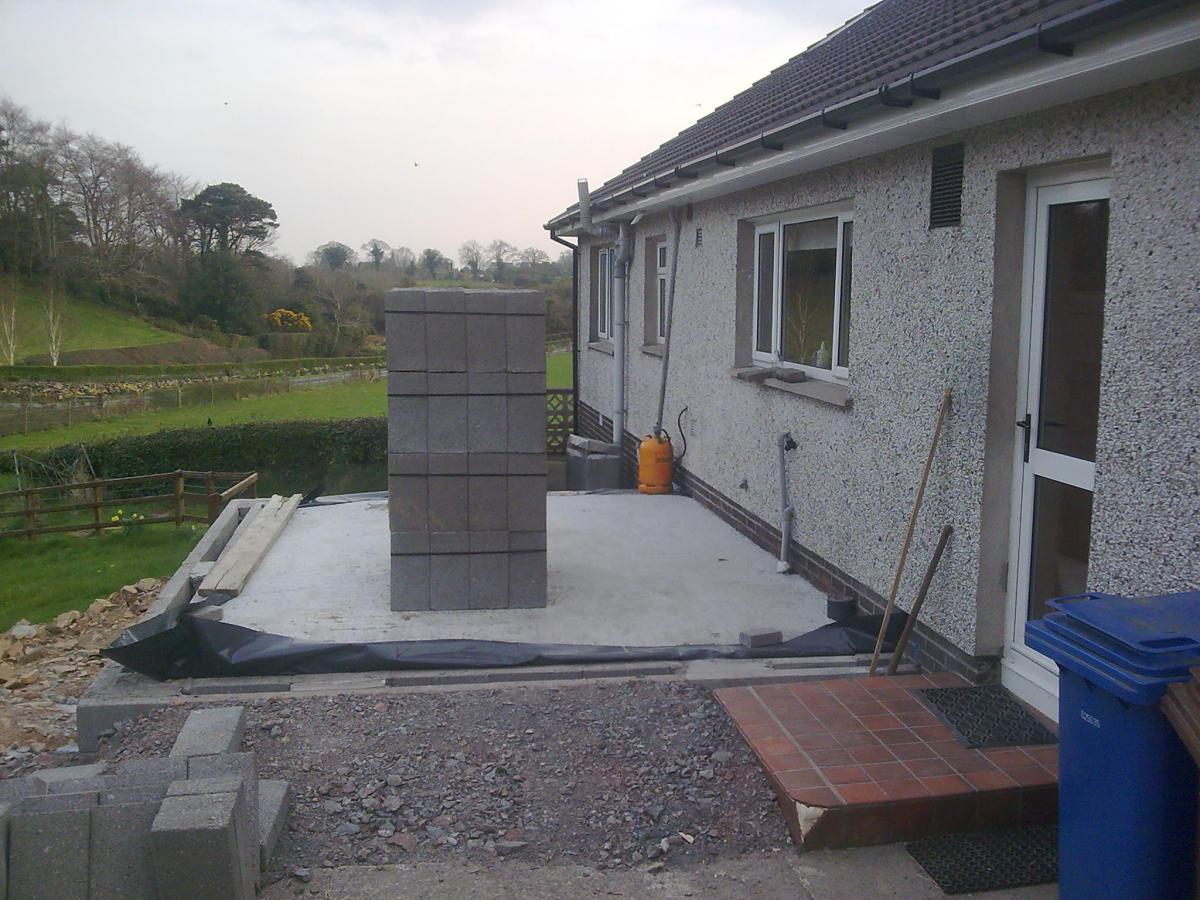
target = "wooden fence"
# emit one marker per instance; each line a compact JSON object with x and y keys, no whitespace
{"x":90,"y":505}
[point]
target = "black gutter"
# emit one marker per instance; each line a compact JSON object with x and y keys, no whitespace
{"x":574,"y":248}
{"x":1055,"y":36}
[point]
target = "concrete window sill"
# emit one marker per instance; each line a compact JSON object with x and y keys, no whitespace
{"x":652,"y":349}
{"x":601,"y":347}
{"x":830,"y":392}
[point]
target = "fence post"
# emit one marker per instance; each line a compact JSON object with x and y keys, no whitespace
{"x":97,"y":498}
{"x":214,"y":499}
{"x":26,"y":404}
{"x":179,"y":394}
{"x":70,"y":409}
{"x":179,"y":501}
{"x":30,"y":517}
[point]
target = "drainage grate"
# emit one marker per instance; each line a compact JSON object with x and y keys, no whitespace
{"x":990,"y":861}
{"x":987,"y":716}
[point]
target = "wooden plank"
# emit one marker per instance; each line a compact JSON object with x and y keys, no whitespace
{"x":225,"y":560}
{"x":243,"y":556}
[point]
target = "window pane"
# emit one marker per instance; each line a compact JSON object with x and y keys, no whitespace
{"x":1062,"y":536}
{"x":843,"y":354}
{"x":1076,"y":253}
{"x":809,"y":277}
{"x":764,"y":341}
{"x":602,"y":305}
{"x":662,"y":307}
{"x":662,"y":256}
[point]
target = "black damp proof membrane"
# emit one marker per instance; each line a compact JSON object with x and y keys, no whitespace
{"x":176,"y":644}
{"x":991,"y":860}
{"x":987,"y":715}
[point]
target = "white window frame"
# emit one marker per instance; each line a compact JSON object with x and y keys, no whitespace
{"x":660,"y":291}
{"x":774,"y":225}
{"x":604,"y":286}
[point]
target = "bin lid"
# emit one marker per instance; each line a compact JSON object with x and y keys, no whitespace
{"x":1135,"y":646}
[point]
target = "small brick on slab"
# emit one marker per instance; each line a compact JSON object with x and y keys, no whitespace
{"x":760,"y":637}
{"x":210,"y":731}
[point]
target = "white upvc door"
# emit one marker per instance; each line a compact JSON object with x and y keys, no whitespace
{"x":1057,"y":413}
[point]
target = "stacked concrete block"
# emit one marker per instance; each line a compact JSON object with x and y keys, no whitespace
{"x":467,"y":449}
{"x":196,"y":824}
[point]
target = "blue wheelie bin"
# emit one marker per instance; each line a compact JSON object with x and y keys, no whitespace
{"x":1127,"y":785}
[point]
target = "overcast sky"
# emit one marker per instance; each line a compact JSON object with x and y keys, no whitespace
{"x":419,"y":122}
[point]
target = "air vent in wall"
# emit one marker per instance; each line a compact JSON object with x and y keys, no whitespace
{"x":945,"y":187}
{"x":699,"y":237}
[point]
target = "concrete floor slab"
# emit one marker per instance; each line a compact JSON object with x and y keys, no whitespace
{"x":624,"y":568}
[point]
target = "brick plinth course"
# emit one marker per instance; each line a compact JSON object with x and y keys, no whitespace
{"x":467,"y":444}
{"x":150,"y":828}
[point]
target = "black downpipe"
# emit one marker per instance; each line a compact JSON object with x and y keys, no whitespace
{"x":574,"y":248}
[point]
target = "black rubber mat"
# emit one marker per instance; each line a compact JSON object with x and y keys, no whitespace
{"x":991,"y":860}
{"x":987,"y":716}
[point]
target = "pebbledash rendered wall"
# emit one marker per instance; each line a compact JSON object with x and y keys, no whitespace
{"x":923,"y":319}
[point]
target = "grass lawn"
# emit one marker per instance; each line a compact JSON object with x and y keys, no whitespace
{"x":89,"y":326}
{"x":558,"y":370}
{"x":54,"y":573}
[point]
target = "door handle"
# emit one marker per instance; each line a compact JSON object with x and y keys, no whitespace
{"x":1026,"y":425}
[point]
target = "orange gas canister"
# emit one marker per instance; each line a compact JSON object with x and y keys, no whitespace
{"x":655,"y":462}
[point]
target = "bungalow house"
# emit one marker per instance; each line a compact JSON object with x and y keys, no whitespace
{"x":999,"y":198}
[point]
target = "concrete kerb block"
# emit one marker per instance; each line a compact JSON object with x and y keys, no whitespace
{"x":49,"y":847}
{"x":135,"y":772}
{"x":198,"y":847}
{"x":224,"y":774}
{"x":274,"y":802}
{"x":228,"y":765}
{"x":121,"y":859}
{"x":207,"y":732}
{"x":64,"y":774}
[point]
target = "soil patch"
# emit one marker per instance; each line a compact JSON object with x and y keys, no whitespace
{"x":185,"y":350}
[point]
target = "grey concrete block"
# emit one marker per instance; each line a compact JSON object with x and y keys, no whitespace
{"x":449,"y":541}
{"x":445,"y":300}
{"x":198,"y":848}
{"x":207,"y":774}
{"x":527,"y":580}
{"x":405,"y":300}
{"x":448,"y":464}
{"x":408,"y":463}
{"x":408,"y":502}
{"x":449,"y":582}
{"x":54,"y":803}
{"x":407,"y":384}
{"x":406,"y":342}
{"x":245,"y":684}
{"x":139,"y":793}
{"x":447,"y":382}
{"x":219,"y":784}
{"x":79,"y":786}
{"x":448,"y":503}
{"x":488,"y":502}
{"x":148,"y":771}
{"x":408,"y":424}
{"x":526,"y":383}
{"x":447,"y":424}
{"x":489,"y":542}
{"x":484,"y":301}
{"x":488,"y":464}
{"x":14,"y":789}
{"x":486,"y":343}
{"x":274,"y":801}
{"x":49,"y":854}
{"x":50,"y":777}
{"x":526,"y":540}
{"x":527,"y":463}
{"x":210,"y":731}
{"x":95,"y":717}
{"x":493,"y":383}
{"x":525,"y":303}
{"x":121,"y":866}
{"x":760,"y":637}
{"x":410,"y":583}
{"x":526,"y":424}
{"x":527,"y":502}
{"x":446,"y":342}
{"x":487,"y":423}
{"x":4,"y":817}
{"x":489,"y":580}
{"x":526,"y":343}
{"x":408,"y":542}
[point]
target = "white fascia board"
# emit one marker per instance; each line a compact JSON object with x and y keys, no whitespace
{"x":1166,"y":45}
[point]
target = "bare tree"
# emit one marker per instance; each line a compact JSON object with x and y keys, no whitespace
{"x":472,"y":255}
{"x":405,"y":260}
{"x":56,"y":330}
{"x":8,"y":326}
{"x":335,"y":291}
{"x":500,"y":254}
{"x":531,"y":257}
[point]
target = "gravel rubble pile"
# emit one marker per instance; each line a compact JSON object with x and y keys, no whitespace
{"x":637,"y":774}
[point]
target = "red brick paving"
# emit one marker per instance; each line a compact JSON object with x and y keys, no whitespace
{"x":860,"y":761}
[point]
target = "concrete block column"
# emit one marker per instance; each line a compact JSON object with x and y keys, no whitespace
{"x":467,"y":448}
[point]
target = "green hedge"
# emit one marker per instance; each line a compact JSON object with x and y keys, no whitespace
{"x":183,"y":370}
{"x":291,"y":457}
